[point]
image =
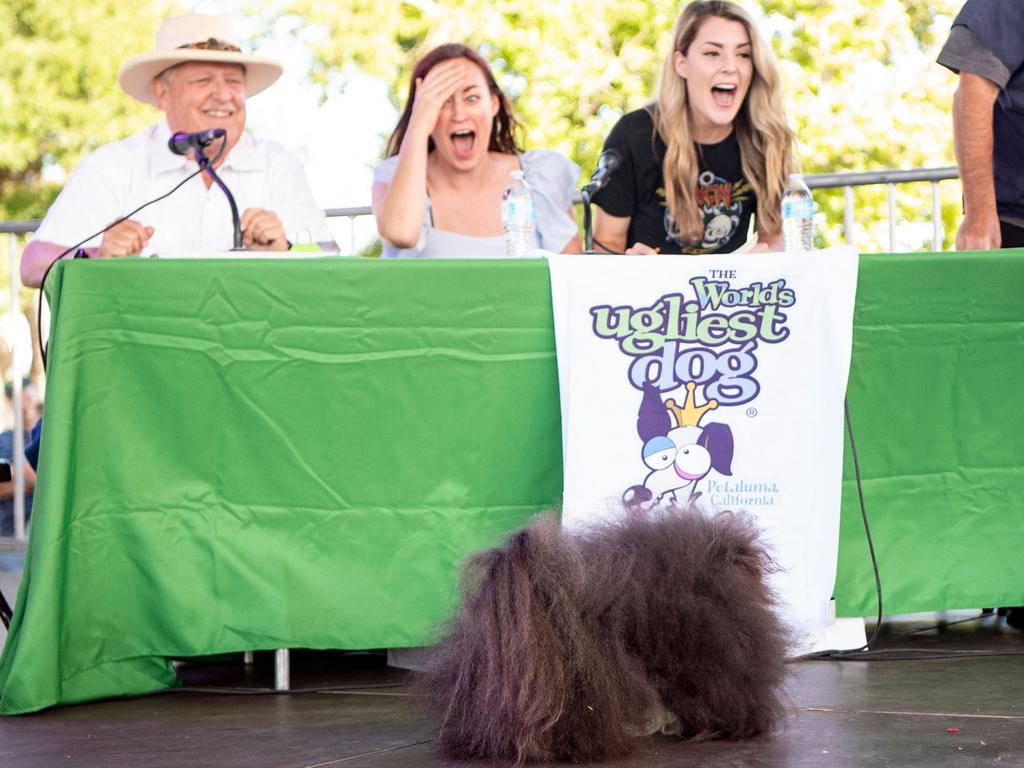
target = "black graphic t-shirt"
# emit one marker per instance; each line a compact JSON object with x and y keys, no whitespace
{"x":637,"y":190}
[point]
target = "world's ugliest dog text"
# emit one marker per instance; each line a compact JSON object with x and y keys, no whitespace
{"x":709,"y":337}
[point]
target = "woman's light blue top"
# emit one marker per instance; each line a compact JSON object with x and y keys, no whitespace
{"x":552,"y":179}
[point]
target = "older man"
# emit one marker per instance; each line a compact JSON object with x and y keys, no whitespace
{"x":200,"y":79}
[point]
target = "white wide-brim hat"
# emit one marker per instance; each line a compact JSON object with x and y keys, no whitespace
{"x":195,"y":37}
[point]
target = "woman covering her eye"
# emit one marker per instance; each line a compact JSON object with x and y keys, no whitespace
{"x":438,"y":193}
{"x":713,"y":151}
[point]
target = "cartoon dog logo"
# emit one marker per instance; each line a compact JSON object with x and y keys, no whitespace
{"x":678,"y":457}
{"x":719,"y":229}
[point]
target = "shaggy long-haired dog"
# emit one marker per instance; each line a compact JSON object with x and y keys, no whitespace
{"x":571,"y":645}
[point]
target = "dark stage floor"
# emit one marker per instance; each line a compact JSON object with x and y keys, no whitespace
{"x":953,"y":698}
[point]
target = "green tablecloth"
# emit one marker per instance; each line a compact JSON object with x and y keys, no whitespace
{"x":935,"y":401}
{"x":252,"y":455}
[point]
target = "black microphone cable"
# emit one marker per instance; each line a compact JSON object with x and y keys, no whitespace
{"x":606,"y":248}
{"x":837,"y":654}
{"x":49,"y":268}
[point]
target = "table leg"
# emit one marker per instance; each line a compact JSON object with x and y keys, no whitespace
{"x":281,"y":669}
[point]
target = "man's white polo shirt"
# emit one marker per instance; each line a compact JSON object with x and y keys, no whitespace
{"x":119,"y":177}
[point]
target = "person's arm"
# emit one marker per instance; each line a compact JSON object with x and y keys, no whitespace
{"x":399,"y":206}
{"x":610,"y":231}
{"x":96,"y":194}
{"x":35,"y":259}
{"x":610,"y":234}
{"x":126,"y":239}
{"x":769,"y":243}
{"x":973,"y":103}
{"x":574,"y":245}
{"x":552,"y":179}
{"x":7,"y":486}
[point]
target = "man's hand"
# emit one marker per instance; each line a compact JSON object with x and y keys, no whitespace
{"x":263,"y":231}
{"x":979,"y":233}
{"x":126,"y":239}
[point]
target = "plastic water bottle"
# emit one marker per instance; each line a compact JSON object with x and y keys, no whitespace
{"x":797,"y":215}
{"x":518,"y":217}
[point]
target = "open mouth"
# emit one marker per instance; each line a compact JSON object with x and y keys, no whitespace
{"x":724,"y":95}
{"x":685,"y":475}
{"x":463,"y":142}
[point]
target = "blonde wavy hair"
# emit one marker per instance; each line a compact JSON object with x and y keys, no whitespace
{"x":764,"y":135}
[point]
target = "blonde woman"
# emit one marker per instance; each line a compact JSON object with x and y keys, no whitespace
{"x":714,"y":150}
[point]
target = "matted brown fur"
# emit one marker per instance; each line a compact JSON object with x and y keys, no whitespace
{"x":570,"y":645}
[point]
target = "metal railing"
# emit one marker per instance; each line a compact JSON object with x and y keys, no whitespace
{"x":845,"y":181}
{"x":351,"y":215}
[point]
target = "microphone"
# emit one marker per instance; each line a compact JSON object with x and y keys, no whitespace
{"x":183,"y":143}
{"x":607,"y":164}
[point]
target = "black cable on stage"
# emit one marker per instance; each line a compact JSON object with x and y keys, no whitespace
{"x":841,"y":654}
{"x":5,"y":612}
{"x":945,"y":624}
{"x":46,"y":272}
{"x":919,"y":654}
{"x":374,"y":689}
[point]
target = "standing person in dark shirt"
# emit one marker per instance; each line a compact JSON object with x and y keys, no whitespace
{"x":714,"y":150}
{"x":986,"y":48}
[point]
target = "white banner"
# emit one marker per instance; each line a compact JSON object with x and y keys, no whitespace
{"x":718,"y":380}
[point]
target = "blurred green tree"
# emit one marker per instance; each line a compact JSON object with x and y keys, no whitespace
{"x":60,"y":59}
{"x":58,"y":98}
{"x":864,"y":93}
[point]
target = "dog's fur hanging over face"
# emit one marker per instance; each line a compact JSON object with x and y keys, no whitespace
{"x":571,"y":645}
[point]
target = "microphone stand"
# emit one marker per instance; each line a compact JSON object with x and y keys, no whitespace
{"x":588,"y":224}
{"x":207,"y":167}
{"x":606,"y":165}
